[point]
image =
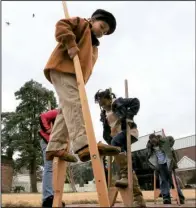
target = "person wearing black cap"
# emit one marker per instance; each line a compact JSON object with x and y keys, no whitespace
{"x":75,"y":36}
{"x":106,"y":17}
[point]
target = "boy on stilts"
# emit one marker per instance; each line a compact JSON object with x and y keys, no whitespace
{"x":75,"y":36}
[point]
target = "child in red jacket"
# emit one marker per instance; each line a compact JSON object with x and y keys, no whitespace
{"x":47,"y":119}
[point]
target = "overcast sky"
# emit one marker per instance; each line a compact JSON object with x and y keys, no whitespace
{"x":153,"y":47}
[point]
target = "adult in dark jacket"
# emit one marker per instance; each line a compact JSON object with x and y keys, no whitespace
{"x":114,"y":113}
{"x":163,"y":159}
{"x":47,"y":119}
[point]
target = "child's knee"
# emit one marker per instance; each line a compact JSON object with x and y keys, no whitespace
{"x":113,"y":142}
{"x":119,"y":140}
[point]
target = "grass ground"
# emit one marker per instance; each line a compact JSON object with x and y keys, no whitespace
{"x":34,"y":200}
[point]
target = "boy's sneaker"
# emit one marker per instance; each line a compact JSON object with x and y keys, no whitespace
{"x":166,"y":201}
{"x":182,"y":201}
{"x":49,"y":201}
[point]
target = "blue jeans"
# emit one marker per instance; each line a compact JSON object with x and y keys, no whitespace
{"x":47,"y":189}
{"x":120,"y":140}
{"x":165,"y":177}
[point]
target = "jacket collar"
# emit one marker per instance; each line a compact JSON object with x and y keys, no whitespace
{"x":95,"y":41}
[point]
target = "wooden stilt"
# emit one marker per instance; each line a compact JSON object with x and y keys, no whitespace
{"x":129,"y":197}
{"x":109,"y":171}
{"x":113,"y":192}
{"x":156,"y":191}
{"x":59,"y":177}
{"x":97,"y":163}
{"x":127,"y":193}
{"x":175,"y":194}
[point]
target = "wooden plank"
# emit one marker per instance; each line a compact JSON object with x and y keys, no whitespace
{"x":175,"y":191}
{"x":125,"y":194}
{"x":59,"y":176}
{"x":156,"y":191}
{"x":155,"y":187}
{"x":113,"y":193}
{"x":129,"y":200}
{"x":109,"y":171}
{"x":97,"y":164}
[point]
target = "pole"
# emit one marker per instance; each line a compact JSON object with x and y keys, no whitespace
{"x":97,"y":164}
{"x":129,"y":157}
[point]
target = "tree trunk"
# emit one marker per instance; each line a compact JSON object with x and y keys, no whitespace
{"x":33,"y":177}
{"x":71,"y":179}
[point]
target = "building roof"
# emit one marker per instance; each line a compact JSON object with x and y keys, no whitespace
{"x":186,"y":163}
{"x":180,"y":143}
{"x":185,"y":142}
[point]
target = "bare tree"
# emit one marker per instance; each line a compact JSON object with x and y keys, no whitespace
{"x":70,"y":177}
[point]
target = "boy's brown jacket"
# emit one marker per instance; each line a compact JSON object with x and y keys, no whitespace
{"x":74,"y":32}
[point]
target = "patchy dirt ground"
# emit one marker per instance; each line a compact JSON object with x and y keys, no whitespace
{"x":83,"y":199}
{"x":149,"y":204}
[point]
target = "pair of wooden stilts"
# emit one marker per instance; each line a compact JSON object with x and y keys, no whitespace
{"x":106,"y":195}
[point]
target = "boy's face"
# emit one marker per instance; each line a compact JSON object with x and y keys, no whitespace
{"x":154,"y":141}
{"x":104,"y":102}
{"x":99,"y":28}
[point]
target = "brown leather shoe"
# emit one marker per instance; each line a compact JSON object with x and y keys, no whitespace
{"x":62,"y":154}
{"x":104,"y":150}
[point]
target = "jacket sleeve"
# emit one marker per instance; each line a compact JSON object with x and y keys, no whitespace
{"x":126,"y":107}
{"x":149,"y":149}
{"x":95,"y":54}
{"x":171,"y":141}
{"x":46,"y":118}
{"x":175,"y":156}
{"x":106,"y":133}
{"x":44,"y":136}
{"x":151,"y":166}
{"x":65,"y":32}
{"x":106,"y":127}
{"x":94,"y":59}
{"x":133,"y":105}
